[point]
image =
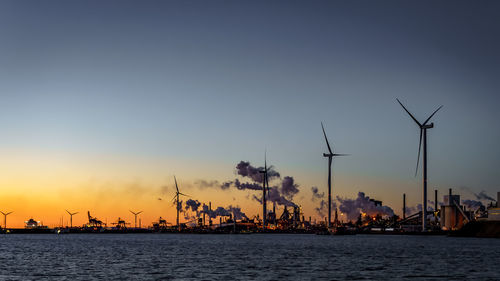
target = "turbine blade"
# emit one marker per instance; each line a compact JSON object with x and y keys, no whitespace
{"x":414,"y":119}
{"x":327,"y":144}
{"x":418,"y":156}
{"x":337,"y":154}
{"x":184,"y":194}
{"x":173,"y":199}
{"x":139,"y":212}
{"x":68,"y":212}
{"x":432,"y":115}
{"x":176,"y":187}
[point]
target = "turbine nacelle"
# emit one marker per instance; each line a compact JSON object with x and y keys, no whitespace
{"x":430,"y":126}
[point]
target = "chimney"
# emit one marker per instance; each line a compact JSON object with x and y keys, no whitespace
{"x":404,"y":206}
{"x":210,"y":213}
{"x":449,"y":198}
{"x":435,"y":200}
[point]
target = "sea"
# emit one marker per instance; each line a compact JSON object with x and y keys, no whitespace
{"x":246,"y":257}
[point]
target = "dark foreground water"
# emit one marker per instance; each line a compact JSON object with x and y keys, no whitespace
{"x":246,"y":257}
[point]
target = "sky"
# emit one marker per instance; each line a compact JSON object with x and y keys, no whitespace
{"x":103,"y":102}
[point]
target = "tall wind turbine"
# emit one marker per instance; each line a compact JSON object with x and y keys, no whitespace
{"x":5,"y":218}
{"x":135,"y":215}
{"x":265,"y":182}
{"x":176,"y":199}
{"x":423,"y":136}
{"x":330,"y":156}
{"x":71,"y":217}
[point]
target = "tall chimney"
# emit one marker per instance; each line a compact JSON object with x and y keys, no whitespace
{"x":449,"y":198}
{"x":210,"y":213}
{"x":404,"y":205}
{"x":435,"y":200}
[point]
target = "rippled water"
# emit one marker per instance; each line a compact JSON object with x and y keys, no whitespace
{"x":246,"y":257}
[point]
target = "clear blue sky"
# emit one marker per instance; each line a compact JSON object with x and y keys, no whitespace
{"x":220,"y":81}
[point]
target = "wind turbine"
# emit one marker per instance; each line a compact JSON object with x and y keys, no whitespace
{"x":330,"y":156}
{"x":5,"y":218}
{"x":71,"y":217}
{"x":423,"y":135}
{"x":176,"y":199}
{"x":135,"y":215}
{"x":265,"y":182}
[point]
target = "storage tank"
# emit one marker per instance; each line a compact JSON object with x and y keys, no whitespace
{"x":451,"y":216}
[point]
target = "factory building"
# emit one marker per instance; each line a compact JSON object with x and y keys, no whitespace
{"x":494,"y":212}
{"x":453,"y":215}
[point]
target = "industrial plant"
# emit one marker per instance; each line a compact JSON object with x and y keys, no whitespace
{"x":362,"y":215}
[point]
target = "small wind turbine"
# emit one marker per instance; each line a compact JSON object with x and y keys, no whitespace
{"x":330,"y":156}
{"x":176,"y":199}
{"x":135,"y":215}
{"x":71,"y":217}
{"x":5,"y":218}
{"x":423,"y":135}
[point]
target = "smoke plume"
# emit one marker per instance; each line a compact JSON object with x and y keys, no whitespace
{"x":472,"y":204}
{"x":288,"y":187}
{"x":483,"y":196}
{"x":316,"y":194}
{"x":353,"y":207}
{"x":193,"y":205}
{"x":245,"y":169}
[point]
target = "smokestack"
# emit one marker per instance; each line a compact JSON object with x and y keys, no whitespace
{"x":404,"y":205}
{"x":435,"y":200}
{"x":210,"y":212}
{"x":498,"y":199}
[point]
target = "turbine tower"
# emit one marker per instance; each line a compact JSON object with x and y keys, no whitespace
{"x":423,"y":136}
{"x":176,"y":199}
{"x":5,"y":218}
{"x":265,"y":182}
{"x":71,"y":217}
{"x":135,"y":216}
{"x":330,"y":156}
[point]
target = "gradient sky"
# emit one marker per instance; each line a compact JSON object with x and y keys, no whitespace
{"x":102,"y":102}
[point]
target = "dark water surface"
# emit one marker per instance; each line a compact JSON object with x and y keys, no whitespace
{"x":246,"y":257}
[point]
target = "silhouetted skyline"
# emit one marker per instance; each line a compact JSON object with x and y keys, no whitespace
{"x":108,"y":100}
